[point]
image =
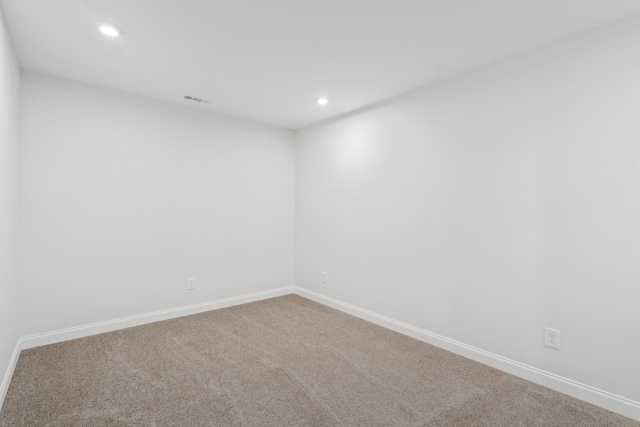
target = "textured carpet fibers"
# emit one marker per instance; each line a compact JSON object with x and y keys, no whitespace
{"x":281,"y":362}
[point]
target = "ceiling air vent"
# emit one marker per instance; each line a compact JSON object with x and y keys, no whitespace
{"x":194,"y":99}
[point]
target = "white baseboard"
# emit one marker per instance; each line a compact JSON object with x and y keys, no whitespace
{"x":4,"y":386}
{"x":60,"y":335}
{"x":604,"y":399}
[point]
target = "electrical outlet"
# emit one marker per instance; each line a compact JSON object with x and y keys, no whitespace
{"x":552,"y":338}
{"x":324,"y":277}
{"x":191,"y":284}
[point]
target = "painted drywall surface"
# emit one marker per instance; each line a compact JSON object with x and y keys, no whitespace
{"x":124,"y":198}
{"x":9,"y":118}
{"x":490,"y":206}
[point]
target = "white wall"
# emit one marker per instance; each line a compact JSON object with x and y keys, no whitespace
{"x":124,"y":198}
{"x":9,"y":111}
{"x":490,"y":206}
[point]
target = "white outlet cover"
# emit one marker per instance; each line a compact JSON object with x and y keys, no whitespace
{"x":552,"y":338}
{"x":191,"y":284}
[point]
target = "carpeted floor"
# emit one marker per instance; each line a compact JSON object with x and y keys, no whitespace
{"x":281,"y":362}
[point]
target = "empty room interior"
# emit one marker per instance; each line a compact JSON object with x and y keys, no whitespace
{"x":320,"y":213}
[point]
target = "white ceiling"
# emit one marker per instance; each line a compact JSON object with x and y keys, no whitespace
{"x":268,"y":60}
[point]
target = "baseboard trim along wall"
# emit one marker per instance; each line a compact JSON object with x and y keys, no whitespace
{"x":572,"y":388}
{"x":67,"y":334}
{"x":610,"y":401}
{"x":4,"y":386}
{"x":52,"y":337}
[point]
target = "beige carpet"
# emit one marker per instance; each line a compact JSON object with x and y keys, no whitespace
{"x":281,"y":362}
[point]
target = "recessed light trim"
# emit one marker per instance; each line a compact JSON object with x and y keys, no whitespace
{"x":110,"y":30}
{"x":322,"y":101}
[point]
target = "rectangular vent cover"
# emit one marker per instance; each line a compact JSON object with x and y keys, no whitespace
{"x":200,"y":100}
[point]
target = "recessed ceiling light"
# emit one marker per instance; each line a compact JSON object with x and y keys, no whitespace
{"x":110,"y":30}
{"x":322,"y":101}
